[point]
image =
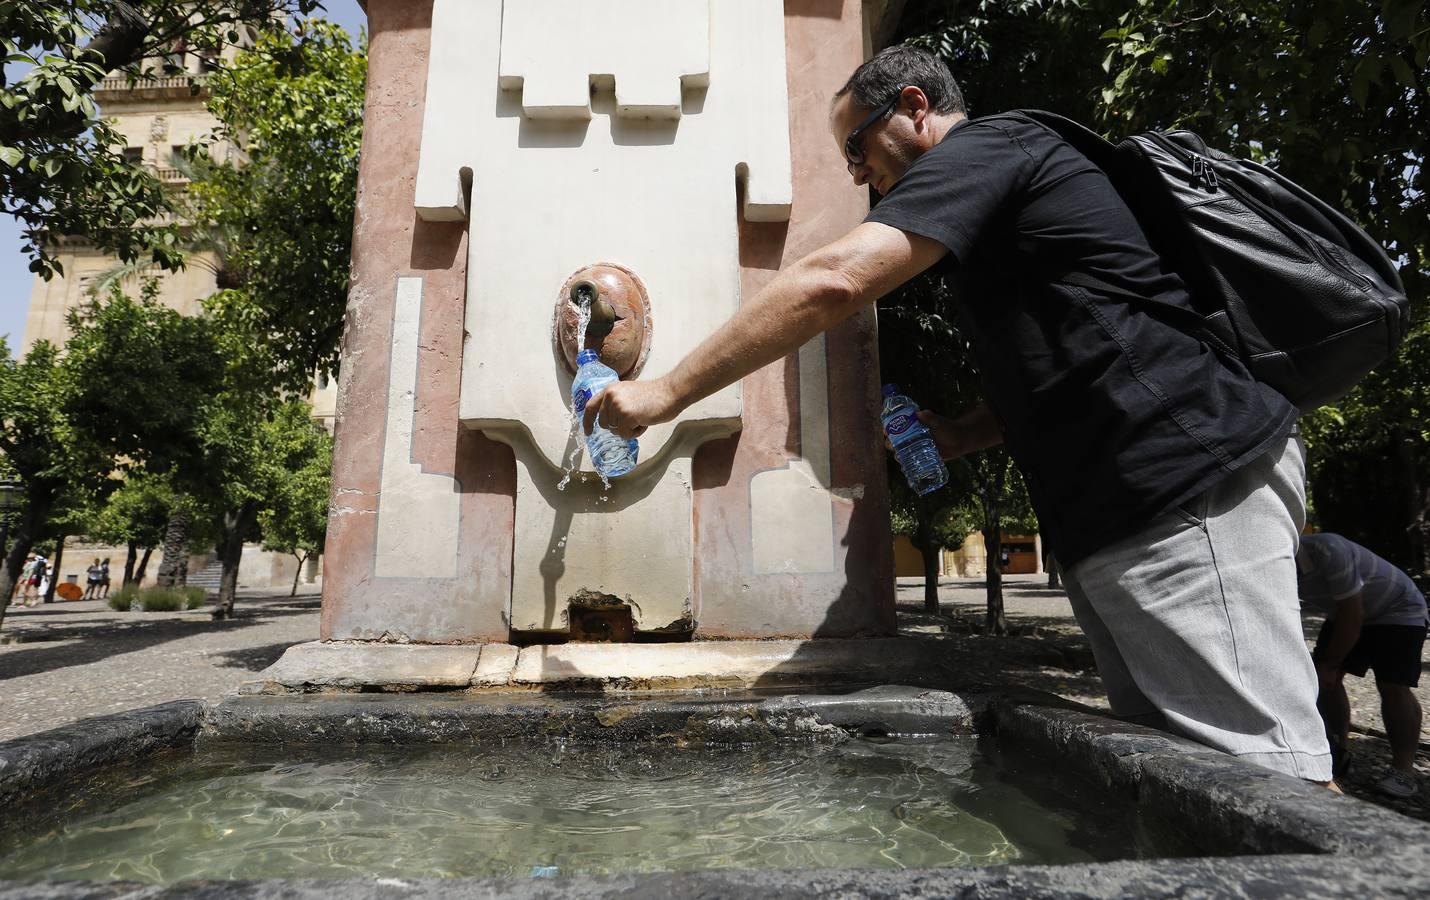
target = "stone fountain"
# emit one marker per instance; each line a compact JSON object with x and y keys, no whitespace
{"x":670,"y":156}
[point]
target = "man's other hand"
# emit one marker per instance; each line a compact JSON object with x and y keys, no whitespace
{"x":628,"y":408}
{"x":947,"y":435}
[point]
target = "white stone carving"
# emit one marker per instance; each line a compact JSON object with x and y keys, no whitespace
{"x":418,"y":513}
{"x":553,"y":51}
{"x":551,"y":196}
{"x":604,"y":131}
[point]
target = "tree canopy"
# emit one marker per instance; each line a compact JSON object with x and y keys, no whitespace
{"x":62,"y":171}
{"x":282,"y":214}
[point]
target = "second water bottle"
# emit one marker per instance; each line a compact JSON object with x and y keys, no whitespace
{"x":914,"y":447}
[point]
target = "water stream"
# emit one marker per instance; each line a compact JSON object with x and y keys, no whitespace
{"x":573,"y":460}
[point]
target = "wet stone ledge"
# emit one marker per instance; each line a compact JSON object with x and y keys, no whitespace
{"x":50,"y":759}
{"x":722,"y":719}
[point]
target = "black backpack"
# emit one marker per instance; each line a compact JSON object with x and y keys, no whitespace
{"x":1283,"y":281}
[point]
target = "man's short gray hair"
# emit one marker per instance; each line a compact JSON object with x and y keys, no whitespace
{"x":894,"y":68}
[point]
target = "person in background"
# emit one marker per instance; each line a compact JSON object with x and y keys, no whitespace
{"x":47,"y":574}
{"x":1375,"y":621}
{"x":35,"y":581}
{"x":104,"y":579}
{"x":22,"y":587}
{"x":91,"y":580}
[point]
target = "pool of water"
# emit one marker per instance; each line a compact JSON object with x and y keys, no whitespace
{"x":557,"y":808}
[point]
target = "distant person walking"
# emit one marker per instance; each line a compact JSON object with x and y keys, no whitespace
{"x":35,"y":580}
{"x":1375,"y":620}
{"x":91,"y":580}
{"x":104,"y":579}
{"x":22,"y":587}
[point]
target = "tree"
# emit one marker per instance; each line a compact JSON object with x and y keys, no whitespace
{"x":923,"y":351}
{"x":140,"y":376}
{"x":295,"y":517}
{"x":922,"y":348}
{"x":44,"y":447}
{"x":283,"y":214}
{"x":135,"y":516}
{"x":1000,"y":502}
{"x":62,"y":171}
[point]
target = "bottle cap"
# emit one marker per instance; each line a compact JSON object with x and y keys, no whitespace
{"x":890,"y":390}
{"x":586,"y":356}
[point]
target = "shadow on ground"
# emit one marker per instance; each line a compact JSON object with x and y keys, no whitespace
{"x":62,"y":643}
{"x":254,"y":659}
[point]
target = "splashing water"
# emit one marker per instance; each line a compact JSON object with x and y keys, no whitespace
{"x":573,"y":460}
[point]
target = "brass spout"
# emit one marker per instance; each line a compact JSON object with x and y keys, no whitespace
{"x":603,"y":314}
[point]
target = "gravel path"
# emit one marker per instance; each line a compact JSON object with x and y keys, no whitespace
{"x":80,"y":659}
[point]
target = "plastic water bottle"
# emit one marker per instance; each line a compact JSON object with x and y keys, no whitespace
{"x":913,"y":443}
{"x":610,"y":454}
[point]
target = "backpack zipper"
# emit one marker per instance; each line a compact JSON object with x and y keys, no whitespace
{"x":1201,"y":168}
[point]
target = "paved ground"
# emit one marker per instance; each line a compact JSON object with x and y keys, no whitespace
{"x":72,"y":660}
{"x":83,"y":659}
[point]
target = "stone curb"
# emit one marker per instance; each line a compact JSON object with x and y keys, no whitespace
{"x":35,"y":762}
{"x":350,"y":666}
{"x":1242,"y":807}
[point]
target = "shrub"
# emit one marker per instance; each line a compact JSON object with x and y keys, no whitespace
{"x":197,"y":596}
{"x":159,"y":599}
{"x":123,"y":598}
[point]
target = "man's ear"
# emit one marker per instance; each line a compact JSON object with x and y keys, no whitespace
{"x":917,"y":102}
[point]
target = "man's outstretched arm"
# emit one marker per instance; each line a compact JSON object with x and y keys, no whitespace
{"x":804,"y":299}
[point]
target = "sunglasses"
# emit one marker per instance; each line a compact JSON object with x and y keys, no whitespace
{"x":853,"y":151}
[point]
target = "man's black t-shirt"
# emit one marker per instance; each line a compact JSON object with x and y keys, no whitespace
{"x":1113,"y":411}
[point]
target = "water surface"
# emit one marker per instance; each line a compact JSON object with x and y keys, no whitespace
{"x":557,"y":808}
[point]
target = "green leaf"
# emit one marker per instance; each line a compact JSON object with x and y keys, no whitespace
{"x":11,"y":156}
{"x":1402,"y":71}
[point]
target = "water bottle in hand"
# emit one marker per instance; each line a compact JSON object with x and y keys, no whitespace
{"x":913,"y":443}
{"x":610,"y":454}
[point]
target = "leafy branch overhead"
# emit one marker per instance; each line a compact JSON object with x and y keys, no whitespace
{"x":62,"y":168}
{"x":282,"y":213}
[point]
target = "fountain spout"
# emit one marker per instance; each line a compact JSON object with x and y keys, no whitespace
{"x":603,"y":315}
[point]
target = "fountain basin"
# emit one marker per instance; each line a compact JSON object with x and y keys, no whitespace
{"x":1244,"y":825}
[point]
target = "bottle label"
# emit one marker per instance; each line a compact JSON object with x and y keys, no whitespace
{"x":899,"y":424}
{"x":581,"y":398}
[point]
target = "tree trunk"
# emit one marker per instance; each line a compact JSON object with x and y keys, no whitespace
{"x":39,"y":499}
{"x":996,"y":622}
{"x":174,"y":567}
{"x":24,"y":539}
{"x":129,"y":558}
{"x":236,"y":523}
{"x":928,"y":549}
{"x":143,"y":564}
{"x":298,"y":574}
{"x":55,"y":571}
